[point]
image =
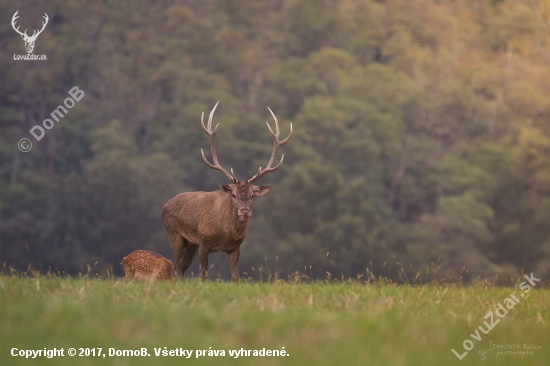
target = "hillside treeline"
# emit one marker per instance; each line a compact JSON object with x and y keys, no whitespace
{"x":421,"y":132}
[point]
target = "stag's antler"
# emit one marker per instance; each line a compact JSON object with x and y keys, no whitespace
{"x":276,"y":145}
{"x":483,"y":350}
{"x":13,"y":20}
{"x":212,"y":135}
{"x":24,"y":34}
{"x":45,"y":16}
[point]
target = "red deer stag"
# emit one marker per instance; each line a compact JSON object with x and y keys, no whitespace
{"x":215,"y":221}
{"x":146,"y":265}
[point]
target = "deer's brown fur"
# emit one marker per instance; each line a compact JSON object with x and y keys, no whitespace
{"x":146,"y":265}
{"x":215,"y":221}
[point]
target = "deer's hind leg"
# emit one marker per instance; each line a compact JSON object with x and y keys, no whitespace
{"x":176,"y":244}
{"x":189,"y":251}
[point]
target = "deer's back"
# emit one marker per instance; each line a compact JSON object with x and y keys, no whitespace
{"x":204,"y":218}
{"x":143,"y":264}
{"x":187,"y":211}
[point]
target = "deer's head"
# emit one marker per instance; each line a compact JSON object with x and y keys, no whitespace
{"x":29,"y":40}
{"x":242,"y":193}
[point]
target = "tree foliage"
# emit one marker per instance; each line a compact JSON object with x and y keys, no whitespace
{"x":421,"y":131}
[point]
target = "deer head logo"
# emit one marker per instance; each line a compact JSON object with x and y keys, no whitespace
{"x":29,"y":40}
{"x":483,"y":353}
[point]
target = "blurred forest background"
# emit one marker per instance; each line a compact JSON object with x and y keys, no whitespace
{"x":421,"y":132}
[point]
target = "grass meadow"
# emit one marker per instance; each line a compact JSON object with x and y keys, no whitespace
{"x":315,"y":323}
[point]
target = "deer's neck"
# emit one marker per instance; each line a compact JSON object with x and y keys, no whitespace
{"x":241,"y":228}
{"x":239,"y":225}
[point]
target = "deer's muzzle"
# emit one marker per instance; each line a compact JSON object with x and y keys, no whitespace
{"x":246,"y":212}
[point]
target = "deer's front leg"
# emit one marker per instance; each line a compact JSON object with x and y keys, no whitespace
{"x":203,"y":261}
{"x":233,"y":258}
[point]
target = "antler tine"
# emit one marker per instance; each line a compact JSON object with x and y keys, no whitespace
{"x":45,"y":16}
{"x":210,"y":118}
{"x":37,"y":32}
{"x":276,"y":145}
{"x":212,"y":137}
{"x":13,"y":21}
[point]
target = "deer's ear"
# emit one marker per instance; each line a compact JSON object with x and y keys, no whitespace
{"x":225,"y":188}
{"x":261,"y":190}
